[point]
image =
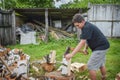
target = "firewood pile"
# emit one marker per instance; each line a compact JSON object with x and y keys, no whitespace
{"x":13,"y":64}
{"x":46,"y":68}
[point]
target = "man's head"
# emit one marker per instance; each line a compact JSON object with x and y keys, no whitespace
{"x":78,"y":21}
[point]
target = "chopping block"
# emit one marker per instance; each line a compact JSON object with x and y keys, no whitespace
{"x":56,"y":75}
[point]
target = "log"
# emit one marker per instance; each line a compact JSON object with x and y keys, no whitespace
{"x":5,"y":65}
{"x":69,"y":67}
{"x":54,"y":29}
{"x":53,"y":55}
{"x":117,"y":76}
{"x":48,"y":67}
{"x":48,"y":63}
{"x":50,"y":58}
{"x":4,"y":51}
{"x":46,"y":25}
{"x":56,"y":75}
{"x":38,"y":28}
{"x":35,"y":68}
{"x":79,"y":67}
{"x":54,"y":35}
{"x":68,"y":61}
{"x":67,"y":26}
{"x":66,"y":64}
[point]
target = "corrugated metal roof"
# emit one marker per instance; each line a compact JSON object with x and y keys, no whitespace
{"x":52,"y":12}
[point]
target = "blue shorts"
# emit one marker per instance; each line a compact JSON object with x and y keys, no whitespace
{"x":97,"y":59}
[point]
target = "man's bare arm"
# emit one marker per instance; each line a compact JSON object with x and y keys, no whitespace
{"x":78,"y":47}
{"x":85,"y":49}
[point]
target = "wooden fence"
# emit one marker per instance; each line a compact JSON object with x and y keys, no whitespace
{"x":7,"y":28}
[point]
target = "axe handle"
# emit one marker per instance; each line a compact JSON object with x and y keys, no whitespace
{"x":67,"y":51}
{"x":69,"y":67}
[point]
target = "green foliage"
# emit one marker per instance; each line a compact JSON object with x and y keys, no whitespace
{"x":84,"y":3}
{"x":37,"y":3}
{"x":76,"y":4}
{"x":7,"y":4}
{"x":113,"y":66}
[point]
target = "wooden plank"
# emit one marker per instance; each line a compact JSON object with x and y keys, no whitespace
{"x":5,"y":65}
{"x":46,"y":25}
{"x":53,"y":55}
{"x":51,"y":29}
{"x":69,"y":67}
{"x":13,"y":28}
{"x":79,"y":67}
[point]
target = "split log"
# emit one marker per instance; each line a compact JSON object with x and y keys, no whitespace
{"x":69,"y":67}
{"x":38,"y":28}
{"x":68,"y":61}
{"x":54,"y":35}
{"x":60,"y":35}
{"x":48,"y":67}
{"x":50,"y":58}
{"x":58,"y":76}
{"x":51,"y":29}
{"x":35,"y":68}
{"x":57,"y":35}
{"x":49,"y":61}
{"x":53,"y":55}
{"x":65,"y":68}
{"x":79,"y":67}
{"x":4,"y":51}
{"x":117,"y":76}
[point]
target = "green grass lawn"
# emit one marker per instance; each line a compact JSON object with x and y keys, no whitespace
{"x":38,"y":51}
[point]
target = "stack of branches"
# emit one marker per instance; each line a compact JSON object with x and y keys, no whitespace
{"x":54,"y":32}
{"x":39,"y":27}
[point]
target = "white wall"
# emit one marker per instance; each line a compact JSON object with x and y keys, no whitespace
{"x":107,"y":18}
{"x":57,"y":23}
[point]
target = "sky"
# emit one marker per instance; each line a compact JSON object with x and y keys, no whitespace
{"x":58,"y":3}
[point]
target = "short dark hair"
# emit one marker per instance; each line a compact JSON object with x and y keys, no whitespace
{"x":77,"y":18}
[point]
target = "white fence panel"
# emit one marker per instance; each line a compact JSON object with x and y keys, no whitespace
{"x":104,"y":27}
{"x":116,"y":29}
{"x":106,"y":18}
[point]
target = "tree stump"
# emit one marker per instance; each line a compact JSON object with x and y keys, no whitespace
{"x":58,"y":76}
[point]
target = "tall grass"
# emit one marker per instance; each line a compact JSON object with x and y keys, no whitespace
{"x":38,"y":51}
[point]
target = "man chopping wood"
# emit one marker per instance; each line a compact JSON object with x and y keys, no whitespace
{"x":96,"y":41}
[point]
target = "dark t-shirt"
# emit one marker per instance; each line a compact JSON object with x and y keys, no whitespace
{"x":95,"y":38}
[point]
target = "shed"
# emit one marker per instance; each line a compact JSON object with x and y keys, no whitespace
{"x":54,"y":17}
